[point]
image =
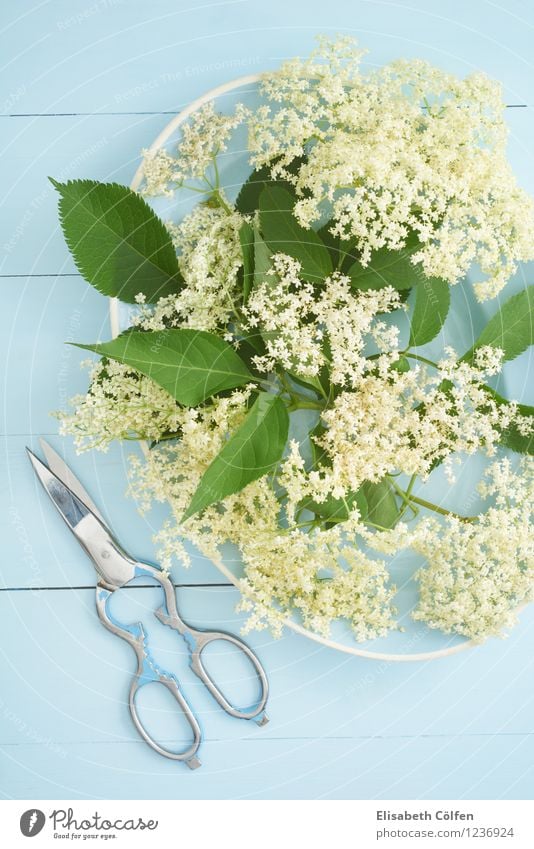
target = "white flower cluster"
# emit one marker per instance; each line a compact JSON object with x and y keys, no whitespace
{"x":209,"y":256}
{"x":296,"y":319}
{"x":204,"y":136}
{"x":478,"y":573}
{"x":407,"y":421}
{"x":284,"y":568}
{"x":405,"y":149}
{"x":120,"y":403}
{"x":385,"y":420}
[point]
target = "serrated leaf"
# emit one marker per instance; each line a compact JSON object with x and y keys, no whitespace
{"x":512,"y":438}
{"x":381,"y":503}
{"x":283,"y":234}
{"x":251,"y":452}
{"x":432,"y":301}
{"x":387,"y":268}
{"x":117,"y":241}
{"x":246,"y":238}
{"x":511,"y":328}
{"x":191,"y":365}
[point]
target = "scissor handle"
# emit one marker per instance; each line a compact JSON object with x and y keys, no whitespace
{"x":148,"y":673}
{"x":197,"y":640}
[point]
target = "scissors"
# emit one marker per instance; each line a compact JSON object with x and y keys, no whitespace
{"x":115,"y":569}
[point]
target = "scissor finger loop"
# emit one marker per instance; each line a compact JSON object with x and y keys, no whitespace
{"x":198,"y":641}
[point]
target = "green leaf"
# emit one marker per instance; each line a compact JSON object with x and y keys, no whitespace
{"x":336,"y":510}
{"x":308,"y":382}
{"x":319,"y":455}
{"x":246,"y":237}
{"x":118,"y":243}
{"x":262,"y":261}
{"x":511,"y":437}
{"x":381,"y":503}
{"x":191,"y":365}
{"x":387,"y":268}
{"x":251,"y":452}
{"x":511,"y":328}
{"x":401,"y":365}
{"x":283,"y":234}
{"x":432,"y":301}
{"x":248,"y":199}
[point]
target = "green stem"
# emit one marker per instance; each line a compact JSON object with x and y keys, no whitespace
{"x":221,"y":202}
{"x":421,"y":359}
{"x":408,"y":502}
{"x":441,"y":510}
{"x":404,"y":495}
{"x":298,"y":402}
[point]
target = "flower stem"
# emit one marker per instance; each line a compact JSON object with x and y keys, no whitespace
{"x":441,"y":510}
{"x":298,"y":402}
{"x":421,"y":359}
{"x":407,"y":499}
{"x":221,"y":202}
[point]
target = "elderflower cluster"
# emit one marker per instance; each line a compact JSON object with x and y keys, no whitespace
{"x":209,"y":258}
{"x":284,"y":568}
{"x":478,"y":572}
{"x":406,"y":421}
{"x":405,"y":149}
{"x":204,"y":136}
{"x":296,"y":319}
{"x":120,"y":403}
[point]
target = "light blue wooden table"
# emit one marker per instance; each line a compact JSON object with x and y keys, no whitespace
{"x":85,"y":85}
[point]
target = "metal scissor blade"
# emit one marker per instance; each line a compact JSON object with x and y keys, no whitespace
{"x":58,"y":466}
{"x":67,"y":503}
{"x":113,"y":565}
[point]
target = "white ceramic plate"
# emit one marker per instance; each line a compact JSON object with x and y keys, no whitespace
{"x":416,"y":642}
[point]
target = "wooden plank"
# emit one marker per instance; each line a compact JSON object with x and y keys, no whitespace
{"x":421,"y":768}
{"x":67,"y":680}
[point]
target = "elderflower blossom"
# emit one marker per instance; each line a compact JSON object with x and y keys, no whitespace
{"x":478,"y":574}
{"x":478,"y":570}
{"x":209,"y":258}
{"x":204,"y":136}
{"x":404,"y":149}
{"x":296,"y":319}
{"x":120,"y":403}
{"x":284,"y":568}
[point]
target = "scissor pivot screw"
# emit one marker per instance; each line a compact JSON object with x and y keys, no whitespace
{"x":104,"y":554}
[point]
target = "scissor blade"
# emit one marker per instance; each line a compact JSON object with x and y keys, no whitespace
{"x":67,"y":503}
{"x":111,"y":562}
{"x":58,"y":466}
